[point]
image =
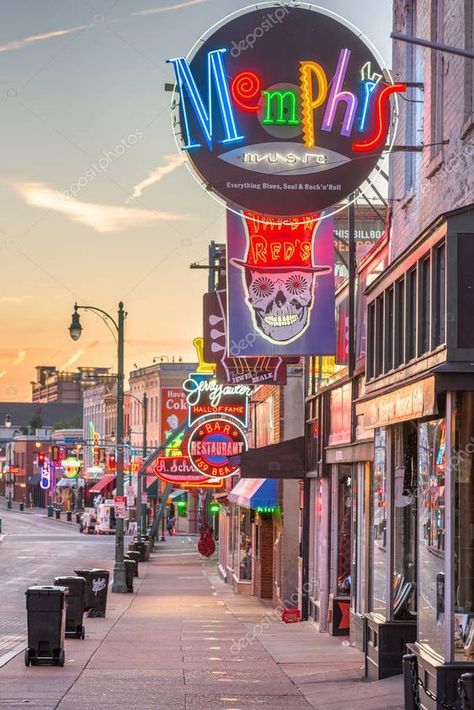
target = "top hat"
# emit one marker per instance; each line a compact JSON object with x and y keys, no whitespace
{"x":280,"y":245}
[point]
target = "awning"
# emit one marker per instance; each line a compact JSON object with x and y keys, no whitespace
{"x":255,"y":493}
{"x":103,"y":483}
{"x":283,"y":460}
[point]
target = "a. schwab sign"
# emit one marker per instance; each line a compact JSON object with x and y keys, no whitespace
{"x":283,"y":110}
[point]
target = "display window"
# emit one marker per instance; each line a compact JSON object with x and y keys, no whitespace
{"x":344,"y":515}
{"x":405,"y":474}
{"x":245,"y":545}
{"x":359,"y":538}
{"x":462,"y":465}
{"x":431,"y":535}
{"x":378,"y":563}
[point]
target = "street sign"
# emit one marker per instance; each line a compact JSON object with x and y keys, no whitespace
{"x":120,"y":505}
{"x":130,"y":494}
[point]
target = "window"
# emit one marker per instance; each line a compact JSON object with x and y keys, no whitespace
{"x":370,"y":340}
{"x":244,"y":542}
{"x":410,"y":106}
{"x":344,"y":511}
{"x":404,"y":467}
{"x":424,"y":305}
{"x":468,"y":63}
{"x":463,"y":468}
{"x":399,"y":323}
{"x":438,"y":70}
{"x":431,"y":525}
{"x":439,"y":325}
{"x":389,"y":319}
{"x":411,"y":315}
{"x":378,"y":335}
{"x":378,"y":526}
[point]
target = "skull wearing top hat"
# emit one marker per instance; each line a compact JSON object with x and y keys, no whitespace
{"x":280,"y":275}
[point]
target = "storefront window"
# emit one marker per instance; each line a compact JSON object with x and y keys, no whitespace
{"x":234,"y":537}
{"x":378,"y":526}
{"x":245,"y":545}
{"x":431,"y":526}
{"x":462,"y":471}
{"x":344,"y":504}
{"x":359,"y":539}
{"x":405,"y":474}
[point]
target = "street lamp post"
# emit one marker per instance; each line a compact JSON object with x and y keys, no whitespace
{"x":140,"y":517}
{"x":75,"y":329}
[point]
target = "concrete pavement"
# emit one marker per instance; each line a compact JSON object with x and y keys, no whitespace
{"x":176,"y":643}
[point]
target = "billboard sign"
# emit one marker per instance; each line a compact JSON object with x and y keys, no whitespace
{"x":173,"y":410}
{"x":280,"y":283}
{"x":283,"y":109}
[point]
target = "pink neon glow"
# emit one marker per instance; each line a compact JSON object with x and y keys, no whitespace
{"x":382,"y":120}
{"x":337,"y":95}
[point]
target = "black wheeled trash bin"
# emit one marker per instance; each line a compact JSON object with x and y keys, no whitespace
{"x":75,"y":605}
{"x":141,"y":548}
{"x":46,"y":613}
{"x":129,"y":571}
{"x":135,"y":556}
{"x":97,"y":584}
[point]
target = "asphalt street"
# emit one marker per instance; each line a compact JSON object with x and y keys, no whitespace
{"x":33,"y":550}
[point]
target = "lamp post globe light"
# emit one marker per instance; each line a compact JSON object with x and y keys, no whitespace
{"x":8,"y":421}
{"x":75,"y":330}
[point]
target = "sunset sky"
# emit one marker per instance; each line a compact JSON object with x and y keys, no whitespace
{"x":95,"y":204}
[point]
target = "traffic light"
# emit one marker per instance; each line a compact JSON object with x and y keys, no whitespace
{"x":111,"y":462}
{"x":41,"y":459}
{"x":55,"y":454}
{"x":214,"y":508}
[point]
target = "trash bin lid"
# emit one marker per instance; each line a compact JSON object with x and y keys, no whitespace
{"x":69,"y":581}
{"x":47,"y":590}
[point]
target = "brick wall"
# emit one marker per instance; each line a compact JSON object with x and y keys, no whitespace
{"x":264,"y":565}
{"x":443,"y":174}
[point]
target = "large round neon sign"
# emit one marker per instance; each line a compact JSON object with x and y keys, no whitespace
{"x":283,"y":110}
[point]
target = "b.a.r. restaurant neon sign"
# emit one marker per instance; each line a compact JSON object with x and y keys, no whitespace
{"x":292,"y":124}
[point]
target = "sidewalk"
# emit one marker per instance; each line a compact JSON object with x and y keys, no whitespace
{"x":174,"y":645}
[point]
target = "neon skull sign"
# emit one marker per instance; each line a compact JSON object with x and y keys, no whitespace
{"x":280,"y":276}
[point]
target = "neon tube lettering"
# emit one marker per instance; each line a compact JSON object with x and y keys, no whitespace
{"x":283,"y":100}
{"x":187,"y":88}
{"x":308,"y":103}
{"x":337,"y":95}
{"x":382,"y":119}
{"x":245,"y":87}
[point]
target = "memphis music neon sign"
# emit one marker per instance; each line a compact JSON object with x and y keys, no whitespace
{"x":365,"y":117}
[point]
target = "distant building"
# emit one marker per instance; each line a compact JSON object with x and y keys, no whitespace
{"x":54,"y":386}
{"x":163,"y":384}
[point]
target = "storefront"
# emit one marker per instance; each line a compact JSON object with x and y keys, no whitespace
{"x":337,"y":520}
{"x":419,"y":402}
{"x":253,"y":503}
